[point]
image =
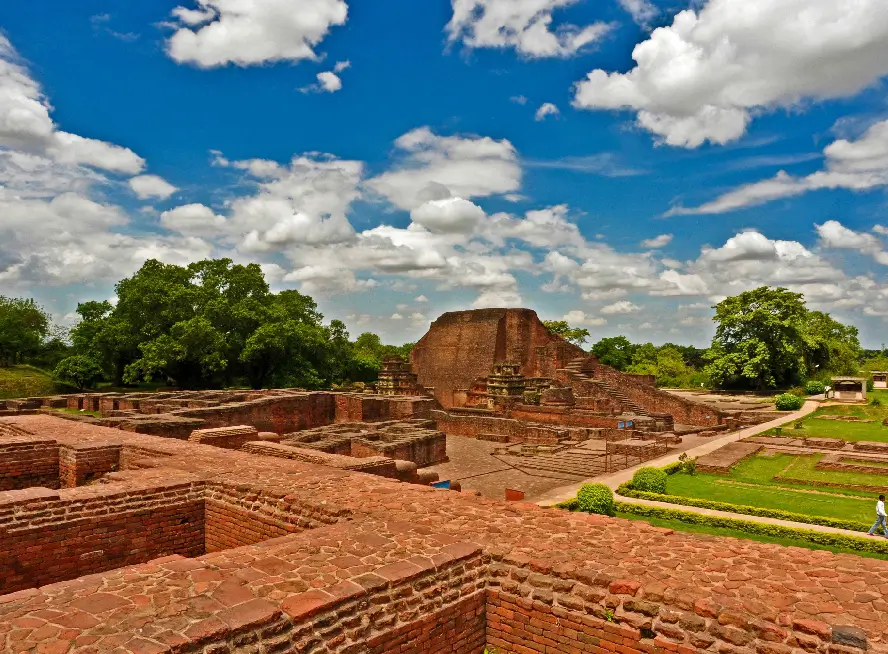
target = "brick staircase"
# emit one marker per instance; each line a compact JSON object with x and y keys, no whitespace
{"x":581,"y":369}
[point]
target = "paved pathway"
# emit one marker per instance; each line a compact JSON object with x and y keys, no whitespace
{"x":613,"y":480}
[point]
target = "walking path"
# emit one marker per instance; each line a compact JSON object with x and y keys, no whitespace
{"x":615,"y":479}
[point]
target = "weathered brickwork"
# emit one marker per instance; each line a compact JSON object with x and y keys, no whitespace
{"x":232,"y":438}
{"x":27,"y":460}
{"x":81,"y":463}
{"x":463,"y":345}
{"x":320,"y":559}
{"x":414,"y":440}
{"x":48,"y":551}
{"x":229,"y":526}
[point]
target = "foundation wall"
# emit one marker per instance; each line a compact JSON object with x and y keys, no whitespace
{"x":230,"y":526}
{"x":81,"y":464}
{"x":49,"y":553}
{"x":28,"y":462}
{"x":280,"y":414}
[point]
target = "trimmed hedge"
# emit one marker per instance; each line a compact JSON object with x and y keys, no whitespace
{"x":649,"y":480}
{"x":596,"y":498}
{"x":814,"y":387}
{"x":743,"y":509}
{"x":789,"y":402}
{"x":874,"y":545}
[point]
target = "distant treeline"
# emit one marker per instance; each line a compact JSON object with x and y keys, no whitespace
{"x":210,"y":324}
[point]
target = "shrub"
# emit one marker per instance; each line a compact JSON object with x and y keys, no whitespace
{"x":596,"y":498}
{"x":789,"y":402}
{"x":688,"y":464}
{"x":876,"y":402}
{"x":649,"y":480}
{"x":673,"y":468}
{"x":814,"y":387}
{"x":870,"y":386}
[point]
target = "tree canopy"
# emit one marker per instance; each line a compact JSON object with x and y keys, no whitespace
{"x":615,"y":351}
{"x":767,"y":338}
{"x":23,"y":327}
{"x":215,"y":323}
{"x":576,"y":335}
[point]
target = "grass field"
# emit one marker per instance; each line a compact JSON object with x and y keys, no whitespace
{"x":816,"y":427}
{"x":25,"y":381}
{"x":677,"y":525}
{"x":751,"y":483}
{"x":79,"y":412}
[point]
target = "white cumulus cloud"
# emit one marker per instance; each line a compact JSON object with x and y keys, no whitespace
{"x":220,"y":32}
{"x":621,"y":307}
{"x":856,"y":165}
{"x":704,"y":77}
{"x":436,"y":167}
{"x":151,"y":186}
{"x":451,"y":215}
{"x":657,"y":242}
{"x":577,"y":318}
{"x":193,"y":220}
{"x":546,"y":109}
{"x":525,"y":25}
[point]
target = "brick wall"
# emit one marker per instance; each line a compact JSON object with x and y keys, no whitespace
{"x":375,"y":465}
{"x":80,"y":463}
{"x":458,"y":629}
{"x":652,"y":399}
{"x":28,"y":461}
{"x":57,"y":551}
{"x":529,"y":612}
{"x":231,"y":438}
{"x":353,"y":407}
{"x":228,"y":526}
{"x":280,"y":414}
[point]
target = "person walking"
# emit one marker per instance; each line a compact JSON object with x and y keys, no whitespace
{"x":880,"y":518}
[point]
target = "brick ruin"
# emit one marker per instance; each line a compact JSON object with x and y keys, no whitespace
{"x":118,"y":541}
{"x":284,"y":520}
{"x":473,"y":358}
{"x":500,"y":375}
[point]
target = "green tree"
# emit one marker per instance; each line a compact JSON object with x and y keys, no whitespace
{"x":576,"y":335}
{"x":79,"y":371}
{"x":615,"y":351}
{"x":830,"y":346}
{"x":759,"y":341}
{"x":23,"y":327}
{"x":212,"y":323}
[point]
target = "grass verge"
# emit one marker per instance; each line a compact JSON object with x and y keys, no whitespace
{"x":873,"y":547}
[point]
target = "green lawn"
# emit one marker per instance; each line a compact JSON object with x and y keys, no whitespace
{"x":78,"y":412}
{"x":677,"y":525}
{"x":754,"y":486}
{"x":25,"y":381}
{"x":816,"y":427}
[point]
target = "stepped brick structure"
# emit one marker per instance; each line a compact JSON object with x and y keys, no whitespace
{"x":396,"y":377}
{"x":456,"y":357}
{"x":190,"y":548}
{"x":463,"y":345}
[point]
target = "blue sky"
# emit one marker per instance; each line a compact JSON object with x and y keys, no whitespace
{"x":624,"y":164}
